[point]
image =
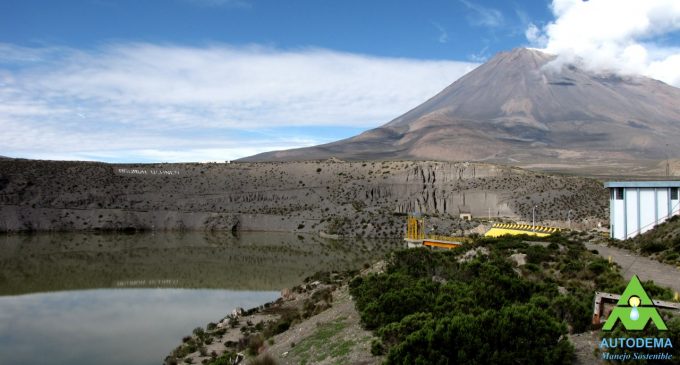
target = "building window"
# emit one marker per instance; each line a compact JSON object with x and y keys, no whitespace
{"x":674,"y":193}
{"x":618,"y":193}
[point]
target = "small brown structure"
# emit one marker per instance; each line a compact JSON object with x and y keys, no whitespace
{"x":604,"y":303}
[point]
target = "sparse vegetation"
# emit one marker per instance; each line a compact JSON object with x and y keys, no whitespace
{"x":221,"y":193}
{"x":316,"y":347}
{"x":479,"y":307}
{"x":263,"y":360}
{"x":661,"y":243}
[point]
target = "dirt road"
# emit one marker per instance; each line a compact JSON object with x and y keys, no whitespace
{"x":644,"y":267}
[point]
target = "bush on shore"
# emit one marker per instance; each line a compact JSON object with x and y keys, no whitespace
{"x":432,"y":307}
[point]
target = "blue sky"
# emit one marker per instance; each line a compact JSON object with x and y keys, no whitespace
{"x":213,"y":80}
{"x":452,"y":29}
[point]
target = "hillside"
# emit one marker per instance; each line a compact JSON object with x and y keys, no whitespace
{"x":518,"y":109}
{"x":661,"y":243}
{"x":496,"y":301}
{"x":346,"y":198}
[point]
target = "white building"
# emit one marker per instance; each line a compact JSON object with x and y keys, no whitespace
{"x":637,"y":206}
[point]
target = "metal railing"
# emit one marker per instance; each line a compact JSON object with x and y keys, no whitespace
{"x":526,"y":227}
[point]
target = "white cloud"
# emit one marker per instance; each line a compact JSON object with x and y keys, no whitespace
{"x":667,"y":68}
{"x":186,"y":101}
{"x":613,"y":36}
{"x":480,"y":56}
{"x":534,"y":35}
{"x":484,"y":16}
{"x":443,"y":34}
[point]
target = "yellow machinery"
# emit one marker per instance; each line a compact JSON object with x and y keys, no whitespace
{"x":415,"y":233}
{"x":501,"y":229}
{"x":415,"y":228}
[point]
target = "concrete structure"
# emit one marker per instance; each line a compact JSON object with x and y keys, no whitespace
{"x":637,"y":206}
{"x":603,"y":303}
{"x":464,"y":212}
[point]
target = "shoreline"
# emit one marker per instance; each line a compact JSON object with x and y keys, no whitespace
{"x":315,"y":318}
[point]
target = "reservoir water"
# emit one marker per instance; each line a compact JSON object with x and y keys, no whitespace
{"x":129,"y":299}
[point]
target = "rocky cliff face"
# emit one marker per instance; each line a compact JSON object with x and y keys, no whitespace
{"x":354,"y":198}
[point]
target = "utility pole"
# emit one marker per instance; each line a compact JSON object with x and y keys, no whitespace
{"x":668,"y":167}
{"x":533,"y":218}
{"x":569,"y":218}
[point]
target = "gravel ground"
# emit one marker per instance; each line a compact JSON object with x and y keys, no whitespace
{"x":644,"y":267}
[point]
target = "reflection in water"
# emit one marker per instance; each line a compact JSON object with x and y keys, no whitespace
{"x":251,"y":261}
{"x":109,"y":326}
{"x":137,"y":315}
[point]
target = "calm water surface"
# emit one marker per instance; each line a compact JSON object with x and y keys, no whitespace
{"x":129,"y":299}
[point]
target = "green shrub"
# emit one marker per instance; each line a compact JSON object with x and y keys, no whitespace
{"x":199,"y":332}
{"x":676,"y":243}
{"x":572,"y":267}
{"x":254,"y":344}
{"x":233,"y":322}
{"x":396,"y":332}
{"x":377,"y":348}
{"x":650,"y":247}
{"x":656,"y":292}
{"x":479,"y":311}
{"x":386,"y":299}
{"x":537,"y":254}
{"x":598,"y":267}
{"x":226,"y":358}
{"x":515,"y":334}
{"x":672,"y":256}
{"x":263,"y":360}
{"x":574,"y":310}
{"x":532,"y":267}
{"x":281,"y":327}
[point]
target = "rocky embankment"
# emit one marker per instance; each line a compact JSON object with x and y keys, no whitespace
{"x":312,"y":323}
{"x":335,"y":197}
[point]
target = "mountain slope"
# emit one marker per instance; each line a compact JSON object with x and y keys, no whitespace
{"x":520,"y":109}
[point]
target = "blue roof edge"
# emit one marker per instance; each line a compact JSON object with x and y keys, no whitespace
{"x":642,"y":184}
